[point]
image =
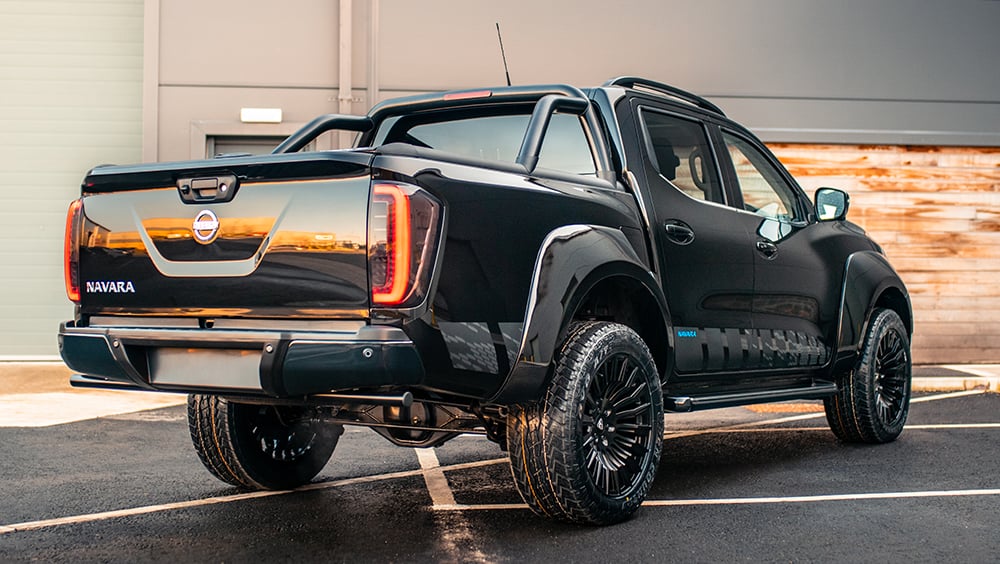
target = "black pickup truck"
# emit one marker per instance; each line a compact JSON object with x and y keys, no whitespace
{"x":549,"y":266}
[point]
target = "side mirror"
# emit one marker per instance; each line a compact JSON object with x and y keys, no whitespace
{"x":831,"y":204}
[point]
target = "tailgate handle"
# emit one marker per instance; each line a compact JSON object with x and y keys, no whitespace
{"x":207,"y":189}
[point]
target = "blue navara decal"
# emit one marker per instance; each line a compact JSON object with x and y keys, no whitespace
{"x":687,"y":333}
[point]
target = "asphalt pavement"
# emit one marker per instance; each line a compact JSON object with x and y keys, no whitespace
{"x":760,"y":483}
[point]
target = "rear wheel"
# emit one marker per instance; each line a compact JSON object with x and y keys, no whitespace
{"x":260,"y":446}
{"x":873,"y":399}
{"x":588,"y":451}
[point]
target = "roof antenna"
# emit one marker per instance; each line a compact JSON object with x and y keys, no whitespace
{"x":502,"y":54}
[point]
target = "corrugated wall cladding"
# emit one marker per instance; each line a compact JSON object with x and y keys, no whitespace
{"x":70,"y":98}
{"x":936,"y":211}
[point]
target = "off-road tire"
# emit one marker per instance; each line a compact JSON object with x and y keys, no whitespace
{"x":588,"y":451}
{"x":260,"y":447}
{"x":873,"y":398}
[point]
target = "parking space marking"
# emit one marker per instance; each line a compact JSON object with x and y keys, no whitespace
{"x":457,"y":539}
{"x":725,"y":431}
{"x":819,"y":498}
{"x":105,"y":515}
{"x":755,"y":500}
{"x":694,"y":432}
{"x":935,"y":397}
{"x":956,"y":426}
{"x":437,"y":483}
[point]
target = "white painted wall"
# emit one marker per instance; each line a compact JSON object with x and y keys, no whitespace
{"x":70,"y":92}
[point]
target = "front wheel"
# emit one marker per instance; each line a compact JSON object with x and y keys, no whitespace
{"x":260,"y":447}
{"x":873,"y":399}
{"x":588,"y":451}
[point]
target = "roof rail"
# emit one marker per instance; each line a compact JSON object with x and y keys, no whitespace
{"x":672,"y":91}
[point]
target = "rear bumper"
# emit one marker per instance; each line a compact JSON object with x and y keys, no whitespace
{"x":280,"y":364}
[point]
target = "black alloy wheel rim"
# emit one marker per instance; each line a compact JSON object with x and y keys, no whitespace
{"x":891,"y":367}
{"x":617,"y":426}
{"x":285,"y":437}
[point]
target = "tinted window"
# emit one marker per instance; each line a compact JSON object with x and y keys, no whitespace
{"x":678,"y":149}
{"x":498,"y":137}
{"x":764,"y":190}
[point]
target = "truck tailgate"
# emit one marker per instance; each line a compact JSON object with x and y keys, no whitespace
{"x":248,"y":237}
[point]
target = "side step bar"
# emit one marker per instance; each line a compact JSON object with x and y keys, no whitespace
{"x":689,"y":403}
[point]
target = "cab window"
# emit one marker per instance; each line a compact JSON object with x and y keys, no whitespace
{"x":678,"y":149}
{"x":765,"y":192}
{"x":497,"y":137}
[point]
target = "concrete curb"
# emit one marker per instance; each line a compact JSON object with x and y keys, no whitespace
{"x":955,"y":384}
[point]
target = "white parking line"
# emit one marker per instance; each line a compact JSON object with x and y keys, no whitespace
{"x":956,"y":426}
{"x":104,"y":515}
{"x":754,"y":500}
{"x":456,"y":539}
{"x":725,"y":431}
{"x":437,"y":483}
{"x":817,"y":498}
{"x":935,"y":397}
{"x":806,"y":417}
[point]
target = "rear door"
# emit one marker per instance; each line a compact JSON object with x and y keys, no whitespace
{"x":705,"y":254}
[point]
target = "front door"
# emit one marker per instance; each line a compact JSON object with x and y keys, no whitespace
{"x":795,"y":294}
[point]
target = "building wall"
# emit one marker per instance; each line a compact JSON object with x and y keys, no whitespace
{"x":808,"y":71}
{"x":837,"y":87}
{"x":816,"y":79}
{"x":936,"y":212}
{"x":215,"y":58}
{"x":852,"y":71}
{"x":70,"y":98}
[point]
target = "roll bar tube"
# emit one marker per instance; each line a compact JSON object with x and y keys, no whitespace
{"x":548,"y":100}
{"x":546,"y":106}
{"x":321,"y":125}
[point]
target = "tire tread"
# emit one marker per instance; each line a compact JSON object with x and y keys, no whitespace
{"x":544,"y":458}
{"x":852,"y":413}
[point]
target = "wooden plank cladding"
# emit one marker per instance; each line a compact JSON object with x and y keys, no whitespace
{"x":936,"y":212}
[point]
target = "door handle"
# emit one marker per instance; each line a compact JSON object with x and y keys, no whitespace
{"x":679,"y":232}
{"x":215,"y":189}
{"x":769,"y":250}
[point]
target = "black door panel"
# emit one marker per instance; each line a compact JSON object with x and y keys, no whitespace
{"x":795,"y":290}
{"x":706,"y":251}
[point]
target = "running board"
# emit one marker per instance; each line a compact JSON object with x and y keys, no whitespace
{"x":688,"y":403}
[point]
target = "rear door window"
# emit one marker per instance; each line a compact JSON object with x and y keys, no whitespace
{"x":679,"y":150}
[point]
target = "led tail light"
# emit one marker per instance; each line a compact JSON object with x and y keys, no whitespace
{"x":402,"y":234}
{"x":71,"y":251}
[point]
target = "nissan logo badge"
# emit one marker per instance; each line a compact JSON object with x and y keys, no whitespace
{"x":205,"y":227}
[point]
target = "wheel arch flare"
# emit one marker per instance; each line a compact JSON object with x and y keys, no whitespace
{"x":580,"y":267}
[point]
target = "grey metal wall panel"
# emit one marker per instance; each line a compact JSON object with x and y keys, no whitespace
{"x":257,"y":43}
{"x":70,"y":74}
{"x":804,"y":70}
